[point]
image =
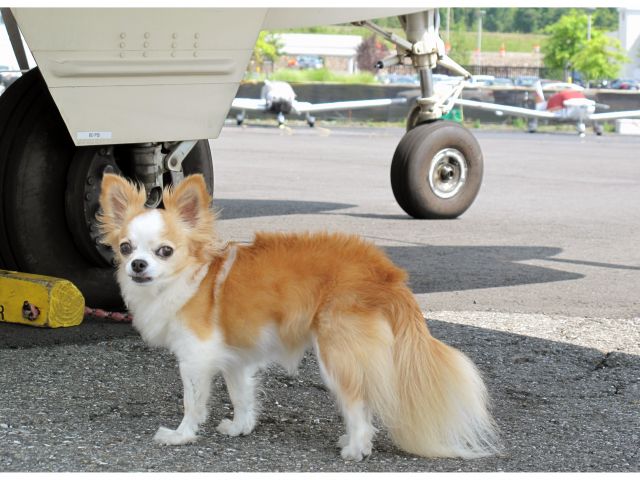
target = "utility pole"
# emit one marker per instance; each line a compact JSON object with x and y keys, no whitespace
{"x":448,"y":24}
{"x":479,"y":46}
{"x":589,"y":13}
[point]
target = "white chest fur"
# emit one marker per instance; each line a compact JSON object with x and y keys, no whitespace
{"x":155,"y":307}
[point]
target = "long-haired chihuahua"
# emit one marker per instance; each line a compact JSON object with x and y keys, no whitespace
{"x":234,"y":308}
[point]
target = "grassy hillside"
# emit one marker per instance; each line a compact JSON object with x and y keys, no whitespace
{"x":491,"y":41}
{"x":513,"y":42}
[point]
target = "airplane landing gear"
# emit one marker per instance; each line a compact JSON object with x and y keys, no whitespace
{"x":50,"y":188}
{"x":281,"y":120}
{"x":436,"y":170}
{"x":240,"y":118}
{"x":598,"y":129}
{"x":311,"y":120}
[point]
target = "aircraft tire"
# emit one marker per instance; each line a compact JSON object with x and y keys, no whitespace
{"x":436,"y":170}
{"x":36,"y":154}
{"x":598,"y":129}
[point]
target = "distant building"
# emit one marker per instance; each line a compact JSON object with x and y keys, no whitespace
{"x":338,"y":51}
{"x":629,"y":36}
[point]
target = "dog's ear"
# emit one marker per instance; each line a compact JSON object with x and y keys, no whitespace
{"x":118,"y":197}
{"x":190,"y":200}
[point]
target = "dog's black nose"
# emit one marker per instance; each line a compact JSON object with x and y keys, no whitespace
{"x":138,"y":266}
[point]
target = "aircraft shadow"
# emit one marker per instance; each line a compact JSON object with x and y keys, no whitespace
{"x":436,"y":268}
{"x":244,"y":208}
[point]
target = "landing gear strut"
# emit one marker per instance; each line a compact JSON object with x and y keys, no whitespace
{"x":311,"y":120}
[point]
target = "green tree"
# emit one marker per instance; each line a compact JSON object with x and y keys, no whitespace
{"x":600,"y":58}
{"x":566,"y":37}
{"x":606,"y":18}
{"x":267,"y":48}
{"x":567,"y":48}
{"x":529,"y":20}
{"x":526,"y":20}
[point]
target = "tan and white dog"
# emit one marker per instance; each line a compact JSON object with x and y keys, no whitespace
{"x":235,"y":308}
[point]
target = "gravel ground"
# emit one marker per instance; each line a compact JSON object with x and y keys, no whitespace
{"x":537,"y":283}
{"x":96,"y":406}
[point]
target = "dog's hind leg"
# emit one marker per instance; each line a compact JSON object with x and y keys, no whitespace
{"x":358,"y":440}
{"x":196,"y":379}
{"x":352,"y":353}
{"x":241,"y":387}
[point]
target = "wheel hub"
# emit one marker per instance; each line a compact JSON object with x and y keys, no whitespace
{"x":82,"y":200}
{"x":448,"y":173}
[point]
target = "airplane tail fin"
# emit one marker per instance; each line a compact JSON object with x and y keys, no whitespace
{"x":539,"y":92}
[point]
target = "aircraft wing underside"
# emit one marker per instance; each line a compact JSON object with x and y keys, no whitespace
{"x":615,"y":115}
{"x":306,"y":107}
{"x":256,"y":104}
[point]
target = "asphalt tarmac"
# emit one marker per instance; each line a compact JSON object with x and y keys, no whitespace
{"x":538,"y":282}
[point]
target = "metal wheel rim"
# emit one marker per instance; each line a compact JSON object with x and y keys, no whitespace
{"x":83,"y":221}
{"x":448,"y":173}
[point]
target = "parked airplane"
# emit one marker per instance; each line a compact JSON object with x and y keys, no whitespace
{"x":567,"y":106}
{"x":280,"y":99}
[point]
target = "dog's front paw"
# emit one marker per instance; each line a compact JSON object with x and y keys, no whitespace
{"x":166,"y":436}
{"x":353,"y":451}
{"x":235,"y":428}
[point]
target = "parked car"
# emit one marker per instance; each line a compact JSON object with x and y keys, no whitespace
{"x":555,"y":85}
{"x":502,"y":82}
{"x":397,"y":78}
{"x":7,"y":77}
{"x":480,"y":80}
{"x":309,"y":61}
{"x":525,"y":81}
{"x":625,"y":84}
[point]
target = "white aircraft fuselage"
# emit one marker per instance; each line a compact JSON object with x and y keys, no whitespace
{"x":279,"y":97}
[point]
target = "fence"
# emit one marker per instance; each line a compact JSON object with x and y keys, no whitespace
{"x":504,"y":71}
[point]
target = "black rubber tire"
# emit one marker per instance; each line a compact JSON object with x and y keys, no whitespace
{"x":14,"y":103}
{"x":39,"y":152}
{"x":412,"y":161}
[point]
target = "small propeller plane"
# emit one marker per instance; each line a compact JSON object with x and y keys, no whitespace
{"x":280,"y":99}
{"x":567,"y":106}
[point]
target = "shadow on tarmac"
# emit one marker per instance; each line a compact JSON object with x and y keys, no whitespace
{"x":91,"y":330}
{"x":436,"y":268}
{"x":244,"y":208}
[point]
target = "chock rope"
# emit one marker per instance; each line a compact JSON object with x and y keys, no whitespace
{"x":115,"y":316}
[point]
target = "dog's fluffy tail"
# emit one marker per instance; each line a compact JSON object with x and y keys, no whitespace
{"x":439,"y":406}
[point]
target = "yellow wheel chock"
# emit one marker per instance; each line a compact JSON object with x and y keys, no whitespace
{"x":39,"y":300}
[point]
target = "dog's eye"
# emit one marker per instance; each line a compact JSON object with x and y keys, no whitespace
{"x":125,"y":248}
{"x":164,"y":251}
